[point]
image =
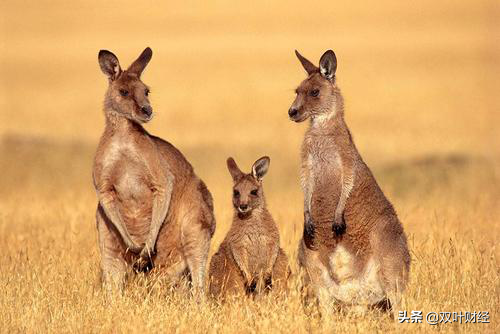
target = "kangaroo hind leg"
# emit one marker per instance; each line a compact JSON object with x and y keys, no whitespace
{"x":114,"y":267}
{"x":195,"y":240}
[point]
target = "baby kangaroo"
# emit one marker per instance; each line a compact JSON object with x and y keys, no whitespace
{"x":249,"y":259}
{"x":153,"y":210}
{"x":354,"y":249}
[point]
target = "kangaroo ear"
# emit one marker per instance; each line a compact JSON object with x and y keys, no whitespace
{"x":308,"y":66}
{"x":260,"y":167}
{"x":328,"y":64}
{"x":109,"y":64}
{"x":140,"y":63}
{"x":233,"y":169}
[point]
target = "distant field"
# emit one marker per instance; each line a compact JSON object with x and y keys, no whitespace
{"x":421,"y":88}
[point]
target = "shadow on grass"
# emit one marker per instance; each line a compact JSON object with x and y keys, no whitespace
{"x":426,"y":174}
{"x":29,"y":161}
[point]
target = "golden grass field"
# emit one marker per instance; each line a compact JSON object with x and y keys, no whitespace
{"x":421,"y":83}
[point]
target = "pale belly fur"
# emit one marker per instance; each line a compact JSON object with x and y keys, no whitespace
{"x":351,"y":286}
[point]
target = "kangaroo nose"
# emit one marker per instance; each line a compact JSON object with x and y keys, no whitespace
{"x":292,"y":112}
{"x":243,"y":206}
{"x":147,"y":110}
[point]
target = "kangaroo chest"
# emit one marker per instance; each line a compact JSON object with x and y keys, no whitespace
{"x":321,"y":173}
{"x":131,"y":182}
{"x":259,"y":244}
{"x":132,"y":185}
{"x":321,"y":160}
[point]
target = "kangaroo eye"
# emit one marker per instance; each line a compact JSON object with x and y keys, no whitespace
{"x":146,"y":92}
{"x":254,"y":192}
{"x":314,"y":92}
{"x":123,"y":92}
{"x":236,"y":193}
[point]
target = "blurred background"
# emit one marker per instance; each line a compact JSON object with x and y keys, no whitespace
{"x":420,"y":82}
{"x":421,"y":85}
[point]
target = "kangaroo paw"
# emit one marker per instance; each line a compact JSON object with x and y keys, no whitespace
{"x":309,"y":233}
{"x":339,"y":225}
{"x":144,"y":262}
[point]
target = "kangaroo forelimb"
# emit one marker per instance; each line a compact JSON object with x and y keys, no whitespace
{"x":107,"y":201}
{"x":161,"y":203}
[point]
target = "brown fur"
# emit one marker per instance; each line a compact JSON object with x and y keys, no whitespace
{"x":153,"y":210}
{"x":250,"y":258}
{"x":354,"y":249}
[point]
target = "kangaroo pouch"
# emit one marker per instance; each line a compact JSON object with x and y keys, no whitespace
{"x":352,"y":285}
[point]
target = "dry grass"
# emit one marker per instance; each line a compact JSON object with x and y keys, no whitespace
{"x":421,"y":85}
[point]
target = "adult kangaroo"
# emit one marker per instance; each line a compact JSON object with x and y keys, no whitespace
{"x":354,"y":250}
{"x":153,"y":211}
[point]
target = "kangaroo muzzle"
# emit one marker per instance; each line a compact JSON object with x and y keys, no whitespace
{"x":297,"y":114}
{"x":293,"y":112}
{"x":147,"y":111}
{"x":243,"y":208}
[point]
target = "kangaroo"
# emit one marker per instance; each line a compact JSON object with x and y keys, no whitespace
{"x":354,"y":250}
{"x":250,"y":259}
{"x":153,"y":211}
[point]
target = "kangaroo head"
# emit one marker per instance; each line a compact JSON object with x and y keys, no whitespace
{"x":316,"y":95}
{"x":247,"y":188}
{"x":127,"y":95}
